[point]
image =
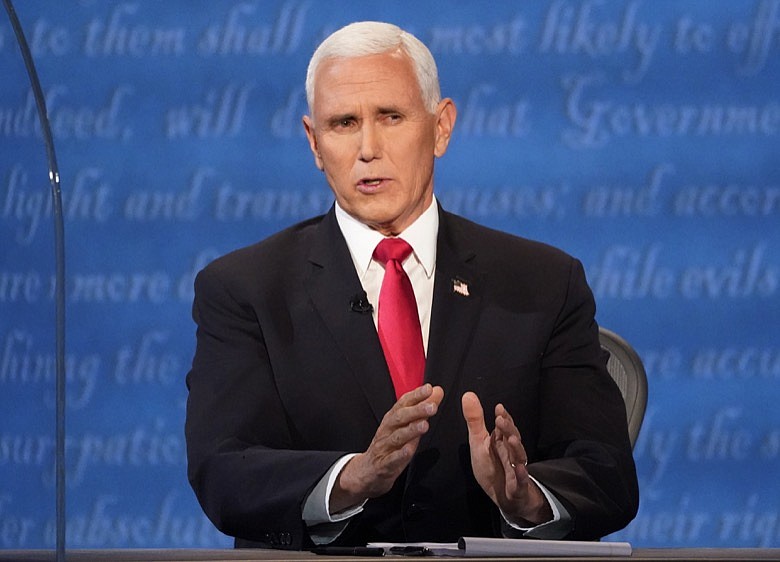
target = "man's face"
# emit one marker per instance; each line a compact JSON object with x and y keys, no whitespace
{"x":374,"y":140}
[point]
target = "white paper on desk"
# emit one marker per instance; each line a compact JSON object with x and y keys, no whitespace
{"x":490,"y":547}
{"x":479,"y":546}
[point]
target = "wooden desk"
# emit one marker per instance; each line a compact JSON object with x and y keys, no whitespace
{"x":251,"y":555}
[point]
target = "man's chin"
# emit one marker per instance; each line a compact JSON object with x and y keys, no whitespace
{"x":386,"y":225}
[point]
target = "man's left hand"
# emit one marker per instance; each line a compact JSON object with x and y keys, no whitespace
{"x":499,"y":461}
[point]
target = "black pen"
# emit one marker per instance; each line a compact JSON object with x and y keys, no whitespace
{"x":411,"y":550}
{"x":349,"y":550}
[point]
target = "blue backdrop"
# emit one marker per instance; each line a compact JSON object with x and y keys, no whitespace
{"x":640,"y":136}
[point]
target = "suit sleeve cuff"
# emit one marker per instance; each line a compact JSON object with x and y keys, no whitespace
{"x":323,"y":526}
{"x":557,"y":528}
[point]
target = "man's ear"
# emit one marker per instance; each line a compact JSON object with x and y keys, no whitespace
{"x":446,"y":114}
{"x":308,"y":126}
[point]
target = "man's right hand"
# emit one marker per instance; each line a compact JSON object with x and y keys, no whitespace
{"x":372,"y":473}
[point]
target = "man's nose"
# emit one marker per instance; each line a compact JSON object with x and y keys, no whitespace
{"x":370,"y":142}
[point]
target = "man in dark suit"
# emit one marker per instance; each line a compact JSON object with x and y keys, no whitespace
{"x":299,"y":429}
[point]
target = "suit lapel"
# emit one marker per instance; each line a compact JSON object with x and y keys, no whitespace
{"x":332,"y":285}
{"x":456,"y":307}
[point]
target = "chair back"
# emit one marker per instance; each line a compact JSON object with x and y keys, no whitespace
{"x":626,"y":368}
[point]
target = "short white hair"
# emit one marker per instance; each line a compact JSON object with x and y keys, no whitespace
{"x":374,"y":38}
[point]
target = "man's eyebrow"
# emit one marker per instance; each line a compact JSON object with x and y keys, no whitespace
{"x":338,"y":117}
{"x":385,"y":110}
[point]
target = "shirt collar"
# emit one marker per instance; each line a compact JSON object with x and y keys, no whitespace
{"x":420,"y":235}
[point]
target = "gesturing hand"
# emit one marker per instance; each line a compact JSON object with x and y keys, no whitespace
{"x":498,"y":460}
{"x":372,"y":473}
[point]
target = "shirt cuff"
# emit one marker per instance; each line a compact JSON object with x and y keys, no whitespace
{"x":323,"y":526}
{"x":556,"y":528}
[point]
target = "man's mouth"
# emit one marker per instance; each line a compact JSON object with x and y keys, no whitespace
{"x":370,"y":184}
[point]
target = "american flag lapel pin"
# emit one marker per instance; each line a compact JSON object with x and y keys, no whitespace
{"x":460,"y":287}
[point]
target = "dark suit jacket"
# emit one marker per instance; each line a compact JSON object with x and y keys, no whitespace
{"x":287,"y":378}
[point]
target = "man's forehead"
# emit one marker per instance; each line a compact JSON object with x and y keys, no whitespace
{"x":341,"y":68}
{"x":378,"y":80}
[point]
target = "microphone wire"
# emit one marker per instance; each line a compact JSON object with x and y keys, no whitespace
{"x":59,"y":292}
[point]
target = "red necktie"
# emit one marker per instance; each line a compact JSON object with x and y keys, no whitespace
{"x":399,"y":323}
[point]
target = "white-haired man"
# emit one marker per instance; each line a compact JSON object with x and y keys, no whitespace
{"x":318,"y":414}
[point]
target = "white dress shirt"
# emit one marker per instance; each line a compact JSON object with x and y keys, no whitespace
{"x":420,"y":266}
